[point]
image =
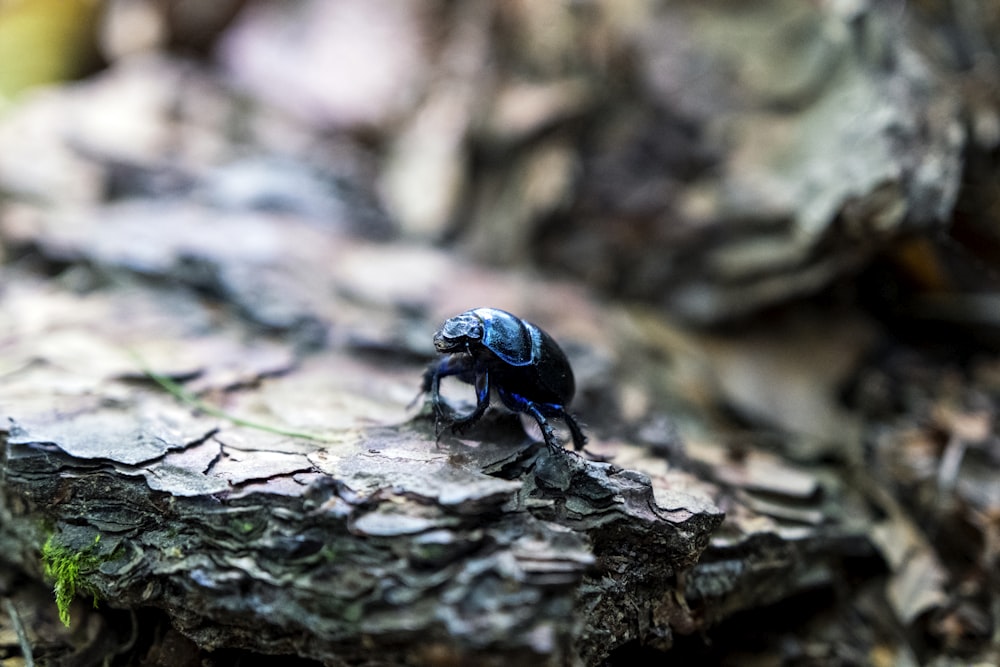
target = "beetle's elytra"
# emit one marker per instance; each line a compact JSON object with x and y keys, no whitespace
{"x":492,"y":349}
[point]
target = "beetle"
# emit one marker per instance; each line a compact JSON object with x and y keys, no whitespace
{"x":494,"y":350}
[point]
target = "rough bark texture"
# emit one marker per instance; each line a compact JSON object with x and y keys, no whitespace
{"x":360,"y":540}
{"x":402,"y":550}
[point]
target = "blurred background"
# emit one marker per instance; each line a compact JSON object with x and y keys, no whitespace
{"x":766,"y":229}
{"x":710,"y":160}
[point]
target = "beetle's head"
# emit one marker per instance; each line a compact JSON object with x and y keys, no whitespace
{"x":458,"y":332}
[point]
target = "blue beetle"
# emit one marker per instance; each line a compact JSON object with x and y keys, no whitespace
{"x":493,"y":349}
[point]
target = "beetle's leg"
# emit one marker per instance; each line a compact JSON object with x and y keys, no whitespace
{"x":538,"y":411}
{"x":432,"y":387}
{"x":425,"y":385}
{"x":482,"y":382}
{"x":547,"y":432}
{"x":579,"y":439}
{"x":455,"y":364}
{"x":430,"y":379}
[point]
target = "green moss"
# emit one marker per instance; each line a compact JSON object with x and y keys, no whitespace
{"x":68,"y":569}
{"x":243,"y":527}
{"x":353,"y":612}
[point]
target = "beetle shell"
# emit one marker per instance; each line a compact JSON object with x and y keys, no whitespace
{"x":515,"y":341}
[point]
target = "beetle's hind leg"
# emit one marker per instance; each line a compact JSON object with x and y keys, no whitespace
{"x":540,"y":412}
{"x":543,"y":423}
{"x":579,"y":439}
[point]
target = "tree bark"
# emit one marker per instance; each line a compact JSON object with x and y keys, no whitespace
{"x":367,"y":540}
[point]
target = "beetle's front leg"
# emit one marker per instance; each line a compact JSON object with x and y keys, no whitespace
{"x":459,"y":365}
{"x":482,"y":382}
